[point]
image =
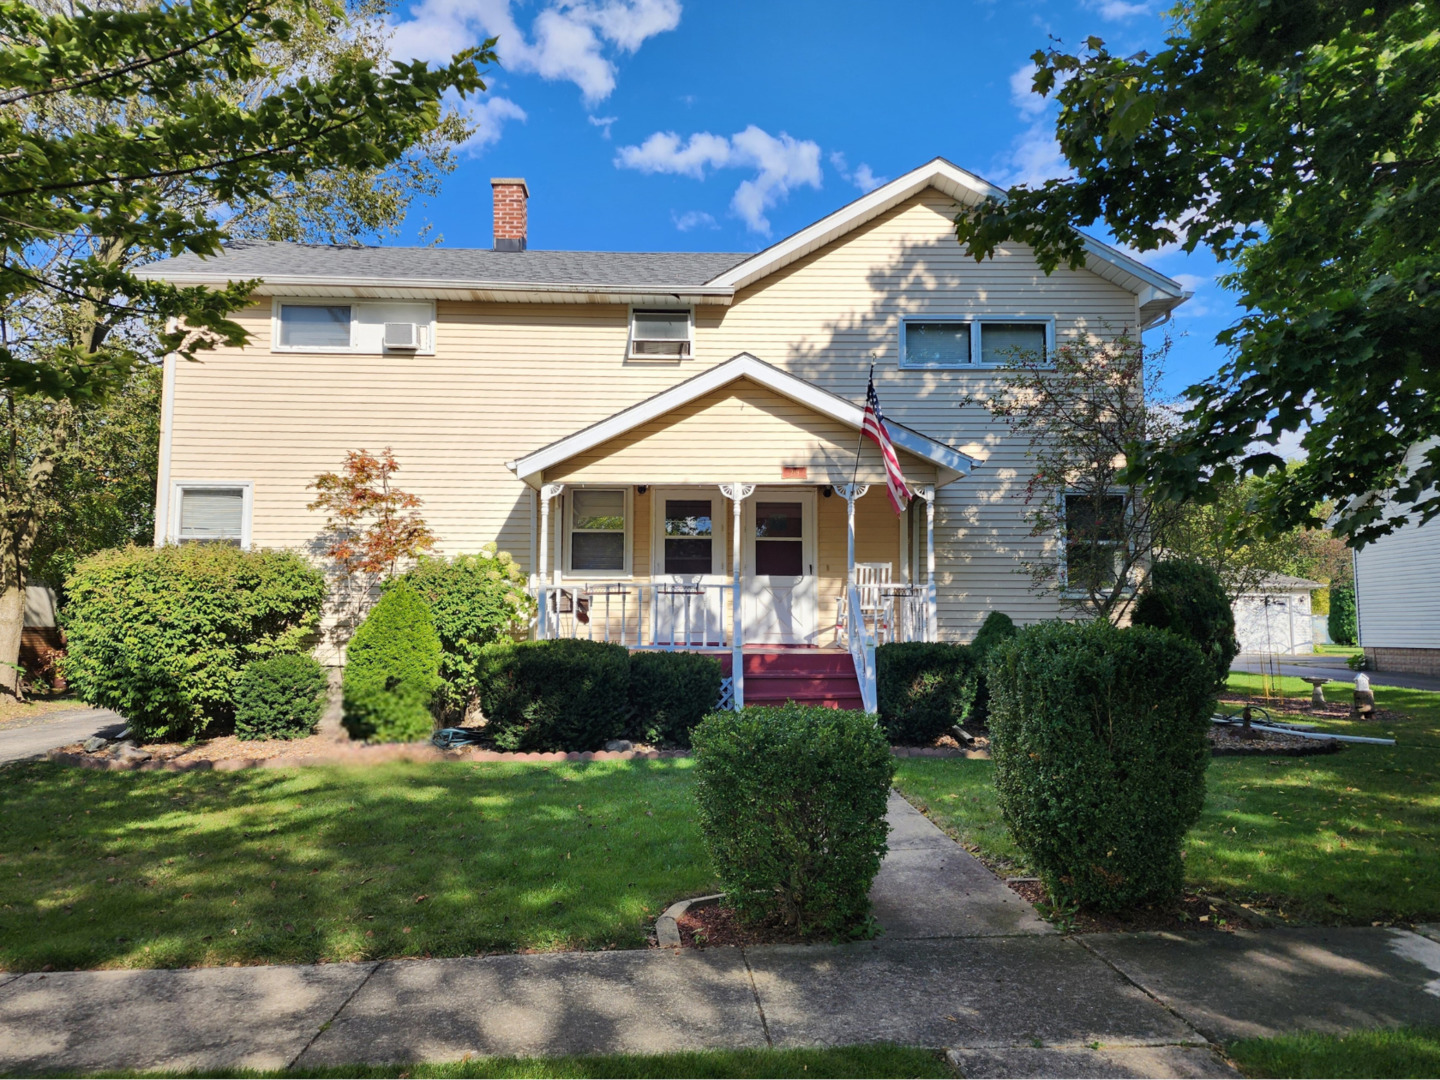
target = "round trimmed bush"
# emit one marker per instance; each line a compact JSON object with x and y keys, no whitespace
{"x":392,"y":670}
{"x":671,"y":692}
{"x":474,"y":600}
{"x":923,"y":688}
{"x":564,"y":694}
{"x":1100,"y":748}
{"x":996,"y":628}
{"x":792,"y":809}
{"x":280,"y":698}
{"x":1188,"y":598}
{"x":161,"y":635}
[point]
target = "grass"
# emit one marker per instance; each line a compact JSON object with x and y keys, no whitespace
{"x":1402,"y":1052}
{"x":1337,"y":650}
{"x":1348,"y":838}
{"x":881,"y":1060}
{"x":118,"y":870}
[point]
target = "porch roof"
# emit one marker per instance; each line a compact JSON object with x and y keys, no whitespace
{"x":949,"y":464}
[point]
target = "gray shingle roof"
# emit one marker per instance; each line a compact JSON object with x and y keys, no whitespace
{"x":264,"y":258}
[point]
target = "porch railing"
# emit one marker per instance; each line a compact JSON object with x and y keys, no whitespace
{"x":861,"y":641}
{"x":891,"y":612}
{"x":640,"y":615}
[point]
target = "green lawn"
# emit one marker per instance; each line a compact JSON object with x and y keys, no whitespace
{"x":1337,"y":650}
{"x":1405,"y":1052}
{"x":841,"y":1061}
{"x":1352,"y":837}
{"x":275,"y":866}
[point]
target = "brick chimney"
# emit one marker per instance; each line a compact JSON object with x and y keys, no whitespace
{"x":511,"y":193}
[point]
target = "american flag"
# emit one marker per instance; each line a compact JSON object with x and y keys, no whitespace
{"x":873,"y":427}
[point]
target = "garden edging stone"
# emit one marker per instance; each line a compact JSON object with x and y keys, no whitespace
{"x":667,"y":928}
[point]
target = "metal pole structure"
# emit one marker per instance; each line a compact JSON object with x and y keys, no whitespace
{"x":737,"y":493}
{"x":850,"y":492}
{"x":547,"y":492}
{"x":931,"y":619}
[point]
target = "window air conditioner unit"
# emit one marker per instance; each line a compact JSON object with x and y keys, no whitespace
{"x":402,"y":335}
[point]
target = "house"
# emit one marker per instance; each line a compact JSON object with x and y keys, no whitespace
{"x":1397,"y":594}
{"x":1274,"y":617}
{"x":667,"y":441}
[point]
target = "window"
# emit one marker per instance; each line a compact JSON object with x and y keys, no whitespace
{"x":1000,"y":342}
{"x":597,"y":529}
{"x":779,"y":539}
{"x":213,"y":514}
{"x":936,"y":344}
{"x":689,"y":536}
{"x":1094,"y":537}
{"x":660,"y":335}
{"x":312,"y":326}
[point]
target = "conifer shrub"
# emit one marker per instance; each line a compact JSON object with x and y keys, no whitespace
{"x":161,"y":635}
{"x":792,"y":810}
{"x":1099,"y":738}
{"x":996,"y":628}
{"x":280,"y":698}
{"x":1341,"y":621}
{"x":392,"y":670}
{"x":1188,"y":598}
{"x":923,"y":689}
{"x":474,"y":600}
{"x":671,"y":692}
{"x":563,"y":694}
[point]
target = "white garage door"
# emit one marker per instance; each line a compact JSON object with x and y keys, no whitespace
{"x":1272,"y":623}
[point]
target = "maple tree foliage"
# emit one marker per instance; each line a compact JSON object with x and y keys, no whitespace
{"x":371,"y":525}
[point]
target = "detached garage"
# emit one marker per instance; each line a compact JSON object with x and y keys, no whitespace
{"x":1275,"y":617}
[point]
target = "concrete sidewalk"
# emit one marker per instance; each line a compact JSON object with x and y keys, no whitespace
{"x":963,"y":965}
{"x":56,"y":729}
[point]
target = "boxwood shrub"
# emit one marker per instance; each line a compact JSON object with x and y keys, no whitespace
{"x":161,"y":635}
{"x":1341,"y":621}
{"x":474,"y":599}
{"x":996,"y":628}
{"x":1188,"y":598}
{"x":671,"y":692}
{"x":1099,"y":742}
{"x":280,"y":698}
{"x":392,"y":670}
{"x":564,"y":694}
{"x":792,"y":810}
{"x":923,"y":689}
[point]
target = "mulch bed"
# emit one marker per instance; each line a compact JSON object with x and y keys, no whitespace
{"x":1231,"y":742}
{"x":713,"y":926}
{"x":1299,"y":710}
{"x":1191,"y":912}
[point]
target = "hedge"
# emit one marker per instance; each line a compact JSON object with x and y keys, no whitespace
{"x":1099,"y":738}
{"x":563,"y":694}
{"x":1342,"y":621}
{"x":280,"y":698}
{"x":996,"y":628}
{"x":474,"y":600}
{"x":1188,"y":598}
{"x":392,"y":670}
{"x":792,"y":810}
{"x":671,"y":692}
{"x":923,"y":689}
{"x":161,"y":635}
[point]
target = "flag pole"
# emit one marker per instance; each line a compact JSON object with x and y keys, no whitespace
{"x":860,"y":442}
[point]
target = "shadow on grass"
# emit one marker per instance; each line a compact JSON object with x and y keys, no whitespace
{"x":301,"y":865}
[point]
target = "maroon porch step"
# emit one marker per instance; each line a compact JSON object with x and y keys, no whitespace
{"x":805,"y":676}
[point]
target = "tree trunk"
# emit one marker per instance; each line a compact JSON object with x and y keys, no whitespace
{"x":12,"y":625}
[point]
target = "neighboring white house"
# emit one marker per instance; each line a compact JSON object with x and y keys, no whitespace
{"x":1397,"y":595}
{"x":1275,"y":617}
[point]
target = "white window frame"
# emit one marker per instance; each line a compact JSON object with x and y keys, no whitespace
{"x":1064,"y":541}
{"x":247,"y":508}
{"x":569,"y":531}
{"x":647,"y":358}
{"x":719,"y":530}
{"x":354,"y":348}
{"x":977,"y":359}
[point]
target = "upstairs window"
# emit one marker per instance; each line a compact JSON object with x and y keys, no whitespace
{"x":315,"y":326}
{"x":597,"y":530}
{"x":1094,"y":541}
{"x":211,"y":514}
{"x":1001,"y":341}
{"x":660,"y":335}
{"x":936,"y":344}
{"x":953,"y":343}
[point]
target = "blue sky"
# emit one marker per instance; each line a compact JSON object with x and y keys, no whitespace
{"x":658,"y":125}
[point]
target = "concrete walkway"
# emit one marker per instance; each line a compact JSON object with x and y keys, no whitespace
{"x":56,"y":729}
{"x":960,"y":966}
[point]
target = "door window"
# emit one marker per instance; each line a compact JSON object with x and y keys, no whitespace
{"x":689,"y":536}
{"x":779,"y":539}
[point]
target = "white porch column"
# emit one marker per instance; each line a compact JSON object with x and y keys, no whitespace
{"x":547,"y":492}
{"x":850,"y":492}
{"x":737,"y":493}
{"x":931,"y":614}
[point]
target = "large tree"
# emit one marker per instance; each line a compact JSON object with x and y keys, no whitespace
{"x":1299,"y":140}
{"x":136,"y":131}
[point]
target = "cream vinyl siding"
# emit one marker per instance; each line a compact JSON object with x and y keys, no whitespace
{"x":742,"y":431}
{"x":1397,"y":584}
{"x":507,"y":379}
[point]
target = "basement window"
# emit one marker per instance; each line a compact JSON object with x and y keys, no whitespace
{"x":660,"y":335}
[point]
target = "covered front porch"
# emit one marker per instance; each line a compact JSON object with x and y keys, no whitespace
{"x":736,"y":511}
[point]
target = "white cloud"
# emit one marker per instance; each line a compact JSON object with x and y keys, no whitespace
{"x":488,"y":115}
{"x":1118,"y":10}
{"x":1022,"y":94}
{"x":1034,"y":155}
{"x":569,"y":40}
{"x":694,"y":219}
{"x":780,"y":163}
{"x":863,"y":177}
{"x":603,"y":123}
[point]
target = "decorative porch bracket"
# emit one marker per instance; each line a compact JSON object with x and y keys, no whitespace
{"x":850,"y":492}
{"x":931,"y":614}
{"x":737,"y":493}
{"x":547,"y":492}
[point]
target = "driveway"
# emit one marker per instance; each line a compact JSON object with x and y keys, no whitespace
{"x":56,"y":729}
{"x":1332,"y":667}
